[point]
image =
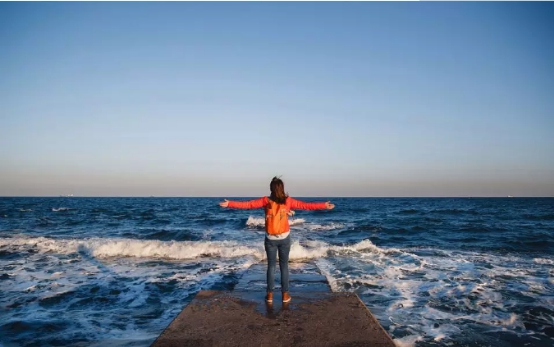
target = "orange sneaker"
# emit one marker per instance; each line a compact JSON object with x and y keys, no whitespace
{"x":286,"y":297}
{"x":269,"y":297}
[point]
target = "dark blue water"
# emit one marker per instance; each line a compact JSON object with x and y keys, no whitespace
{"x":435,"y":272}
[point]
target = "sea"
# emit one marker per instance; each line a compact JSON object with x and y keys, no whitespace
{"x":434,"y":271}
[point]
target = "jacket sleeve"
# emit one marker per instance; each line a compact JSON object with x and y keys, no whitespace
{"x":301,"y":205}
{"x":258,"y":203}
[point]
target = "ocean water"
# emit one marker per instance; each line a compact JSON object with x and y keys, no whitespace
{"x":434,"y":272}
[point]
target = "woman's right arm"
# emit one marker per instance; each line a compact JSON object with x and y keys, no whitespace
{"x":251,"y":204}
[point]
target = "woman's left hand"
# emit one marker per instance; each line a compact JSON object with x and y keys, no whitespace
{"x":224,"y":203}
{"x":329,"y":205}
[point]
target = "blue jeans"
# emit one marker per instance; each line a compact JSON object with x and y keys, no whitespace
{"x":271,"y":249}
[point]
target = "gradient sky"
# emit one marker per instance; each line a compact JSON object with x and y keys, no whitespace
{"x":214,"y":99}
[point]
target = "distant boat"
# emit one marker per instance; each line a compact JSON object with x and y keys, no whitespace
{"x":510,"y":196}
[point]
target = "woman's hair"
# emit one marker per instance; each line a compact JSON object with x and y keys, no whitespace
{"x":277,"y":188}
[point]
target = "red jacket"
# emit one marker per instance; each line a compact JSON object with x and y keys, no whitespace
{"x":290,"y":204}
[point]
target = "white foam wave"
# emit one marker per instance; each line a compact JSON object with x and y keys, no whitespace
{"x":119,"y":247}
{"x":128,"y":283}
{"x":298,"y":252}
{"x":407,"y":341}
{"x":103,"y":248}
{"x":60,"y":209}
{"x":326,"y":269}
{"x":171,"y":250}
{"x":543,"y":261}
{"x":296,"y":221}
{"x":260,"y":222}
{"x":255,"y":222}
{"x":319,"y":249}
{"x":325,"y":227}
{"x":421,"y":290}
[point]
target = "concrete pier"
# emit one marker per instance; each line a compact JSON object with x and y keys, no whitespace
{"x":314,"y":317}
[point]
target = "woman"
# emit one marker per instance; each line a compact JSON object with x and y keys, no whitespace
{"x":277,"y":239}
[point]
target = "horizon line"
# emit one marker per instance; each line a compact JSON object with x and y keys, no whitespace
{"x":245,"y":196}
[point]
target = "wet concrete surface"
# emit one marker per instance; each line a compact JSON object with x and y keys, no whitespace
{"x":314,"y":317}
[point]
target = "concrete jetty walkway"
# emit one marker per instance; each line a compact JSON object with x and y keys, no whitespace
{"x":314,"y":317}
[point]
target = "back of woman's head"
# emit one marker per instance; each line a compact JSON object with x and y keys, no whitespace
{"x":277,"y":188}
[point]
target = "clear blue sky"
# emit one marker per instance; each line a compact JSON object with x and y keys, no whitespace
{"x":214,"y":99}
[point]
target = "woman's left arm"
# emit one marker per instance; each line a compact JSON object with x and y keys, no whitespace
{"x":302,"y":205}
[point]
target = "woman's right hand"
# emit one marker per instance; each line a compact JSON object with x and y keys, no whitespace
{"x":224,"y":203}
{"x":329,"y":205}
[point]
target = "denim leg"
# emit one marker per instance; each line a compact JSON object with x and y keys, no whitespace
{"x":284,"y":250}
{"x":271,"y":252}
